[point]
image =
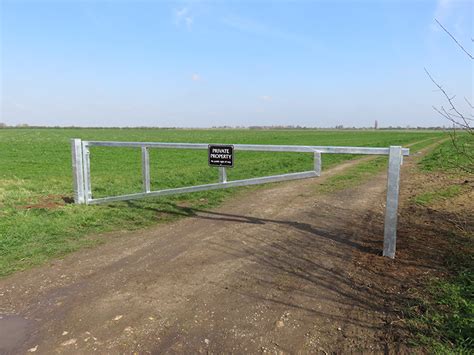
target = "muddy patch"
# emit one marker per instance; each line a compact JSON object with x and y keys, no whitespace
{"x":13,"y":332}
{"x":49,"y":202}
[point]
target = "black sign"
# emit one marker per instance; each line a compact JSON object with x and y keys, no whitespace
{"x":221,"y":155}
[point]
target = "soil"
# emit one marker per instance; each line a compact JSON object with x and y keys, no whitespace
{"x":280,"y":270}
{"x":49,"y":202}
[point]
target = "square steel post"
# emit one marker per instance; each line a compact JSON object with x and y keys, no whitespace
{"x":317,"y":162}
{"x":146,"y":169}
{"x":222,"y":174}
{"x":86,"y":162}
{"x":77,"y":171}
{"x":391,"y":209}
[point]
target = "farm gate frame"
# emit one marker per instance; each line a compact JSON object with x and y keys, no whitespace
{"x":83,"y":186}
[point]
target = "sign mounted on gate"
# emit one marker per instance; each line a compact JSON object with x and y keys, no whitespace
{"x":221,"y":155}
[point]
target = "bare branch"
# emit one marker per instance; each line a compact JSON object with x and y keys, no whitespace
{"x":449,"y":116}
{"x":468,"y":102}
{"x":462,"y":144}
{"x":454,"y":39}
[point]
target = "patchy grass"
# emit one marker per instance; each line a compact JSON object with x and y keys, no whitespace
{"x":38,"y":223}
{"x":443,"y":193}
{"x":441,"y":317}
{"x":447,"y":158}
{"x":353,"y":176}
{"x":363,"y":171}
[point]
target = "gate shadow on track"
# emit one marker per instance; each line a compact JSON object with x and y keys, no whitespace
{"x":227,"y":217}
{"x":288,"y":255}
{"x":309,"y":269}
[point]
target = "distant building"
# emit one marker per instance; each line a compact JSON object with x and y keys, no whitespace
{"x":376,"y":125}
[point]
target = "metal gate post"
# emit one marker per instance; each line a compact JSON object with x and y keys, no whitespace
{"x":393,"y":187}
{"x":146,"y":169}
{"x":77,"y":171}
{"x":317,"y":162}
{"x":87,"y":172}
{"x":222,"y":174}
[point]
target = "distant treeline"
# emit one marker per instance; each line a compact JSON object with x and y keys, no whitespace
{"x":279,"y":127}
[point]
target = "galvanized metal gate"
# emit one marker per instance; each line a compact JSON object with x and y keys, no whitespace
{"x":83,"y":185}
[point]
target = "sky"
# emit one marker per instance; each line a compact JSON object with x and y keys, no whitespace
{"x":234,"y":63}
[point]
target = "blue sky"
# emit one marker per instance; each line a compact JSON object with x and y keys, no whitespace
{"x":203,"y":64}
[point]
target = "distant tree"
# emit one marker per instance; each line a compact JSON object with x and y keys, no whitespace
{"x":461,"y":121}
{"x":3,"y":125}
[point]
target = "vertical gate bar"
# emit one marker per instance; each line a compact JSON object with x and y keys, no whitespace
{"x":87,"y":172}
{"x":146,"y":169}
{"x":77,"y":171}
{"x":222,"y":174}
{"x":317,"y":162}
{"x":393,"y":187}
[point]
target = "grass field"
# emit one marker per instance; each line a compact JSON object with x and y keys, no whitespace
{"x":35,"y":180}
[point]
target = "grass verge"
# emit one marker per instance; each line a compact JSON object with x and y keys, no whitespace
{"x":443,"y":193}
{"x":353,"y":176}
{"x":363,"y":171}
{"x":447,"y":158}
{"x":441,"y":313}
{"x":442,"y":317}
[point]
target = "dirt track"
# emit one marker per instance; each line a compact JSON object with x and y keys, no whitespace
{"x":270,"y":271}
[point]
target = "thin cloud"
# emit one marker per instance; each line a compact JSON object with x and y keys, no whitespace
{"x":259,"y":29}
{"x":266,"y":98}
{"x":183,"y":16}
{"x":454,"y":16}
{"x":441,"y":13}
{"x":195,"y":77}
{"x":443,"y":8}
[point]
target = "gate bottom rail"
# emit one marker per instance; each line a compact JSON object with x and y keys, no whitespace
{"x":205,"y":187}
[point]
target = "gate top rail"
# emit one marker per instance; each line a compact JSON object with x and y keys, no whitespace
{"x":254,"y":147}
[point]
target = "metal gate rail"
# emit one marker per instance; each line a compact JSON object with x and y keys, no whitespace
{"x":83,"y":188}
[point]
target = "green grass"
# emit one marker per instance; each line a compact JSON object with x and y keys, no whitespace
{"x":447,"y":158}
{"x":442,"y":316}
{"x":35,"y":171}
{"x":444,"y":193}
{"x":363,"y":171}
{"x":353,"y":176}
